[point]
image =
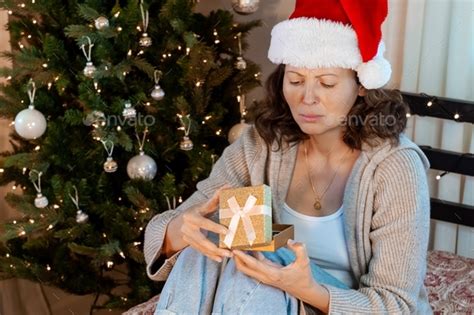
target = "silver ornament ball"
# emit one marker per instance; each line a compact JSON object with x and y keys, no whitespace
{"x":145,"y":40}
{"x":81,"y":217}
{"x":186,"y":144}
{"x":89,"y":70}
{"x":241,"y":64}
{"x":141,"y":166}
{"x":30,"y":123}
{"x":245,"y":7}
{"x":101,"y":22}
{"x":110,"y":165}
{"x":157,"y":94}
{"x":236,"y":131}
{"x":41,"y":201}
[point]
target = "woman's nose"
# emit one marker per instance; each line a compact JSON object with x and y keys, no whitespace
{"x":310,"y":96}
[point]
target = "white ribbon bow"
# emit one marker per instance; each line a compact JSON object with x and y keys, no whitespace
{"x":237,"y":213}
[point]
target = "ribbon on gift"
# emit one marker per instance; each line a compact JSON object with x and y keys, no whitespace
{"x":237,"y":213}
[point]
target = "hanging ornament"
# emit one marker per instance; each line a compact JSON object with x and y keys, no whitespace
{"x":145,"y":40}
{"x":96,"y":119}
{"x":157,"y":94}
{"x":90,"y":69}
{"x":186,"y":144}
{"x":245,"y":7}
{"x":101,"y":22}
{"x":30,"y":123}
{"x":240,"y":64}
{"x":129,"y":111}
{"x":40,"y":200}
{"x":236,"y":131}
{"x":110,"y":165}
{"x":81,"y":217}
{"x":141,"y":166}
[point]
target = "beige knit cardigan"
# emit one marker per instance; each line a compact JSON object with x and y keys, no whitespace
{"x":387,"y":215}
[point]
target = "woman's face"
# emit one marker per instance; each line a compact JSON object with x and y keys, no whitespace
{"x":321,"y":98}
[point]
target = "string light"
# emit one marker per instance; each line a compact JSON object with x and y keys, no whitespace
{"x":129,"y":52}
{"x":32,"y":221}
{"x":456,"y":116}
{"x":37,"y":148}
{"x":122,"y":255}
{"x":7,"y":255}
{"x":10,"y":12}
{"x":55,"y":206}
{"x":408,"y":115}
{"x":134,"y":244}
{"x":218,"y":132}
{"x":14,"y":187}
{"x":22,"y":233}
{"x":34,"y":21}
{"x":2,"y":170}
{"x":119,"y":128}
{"x":180,"y":199}
{"x":110,"y":264}
{"x":141,"y":228}
{"x":48,"y":268}
{"x":438,"y":177}
{"x":119,"y":29}
{"x":104,"y":235}
{"x":429,"y":104}
{"x":45,"y":65}
{"x":49,"y":227}
{"x":116,"y":15}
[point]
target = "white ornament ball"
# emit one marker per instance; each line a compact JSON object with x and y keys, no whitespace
{"x":101,"y":22}
{"x":241,"y":64}
{"x":89,"y":70}
{"x":81,"y":217}
{"x":41,"y":201}
{"x":245,"y":6}
{"x":236,"y":131}
{"x":141,"y":166}
{"x":145,"y":40}
{"x":157,"y":94}
{"x":30,"y":123}
{"x":186,"y":144}
{"x":110,"y":166}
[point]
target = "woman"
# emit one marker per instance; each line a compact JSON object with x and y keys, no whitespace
{"x":330,"y":145}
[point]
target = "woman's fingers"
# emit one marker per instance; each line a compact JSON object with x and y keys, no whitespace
{"x":203,"y":245}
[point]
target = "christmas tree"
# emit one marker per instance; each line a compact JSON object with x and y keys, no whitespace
{"x":118,"y":108}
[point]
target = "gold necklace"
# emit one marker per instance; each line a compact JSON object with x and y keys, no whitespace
{"x":317,"y":203}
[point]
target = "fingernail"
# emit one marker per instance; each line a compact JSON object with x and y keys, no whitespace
{"x":219,"y":260}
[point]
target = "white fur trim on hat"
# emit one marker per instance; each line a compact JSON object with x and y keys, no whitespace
{"x":318,"y":43}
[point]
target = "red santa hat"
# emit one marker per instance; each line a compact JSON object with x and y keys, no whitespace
{"x":334,"y":33}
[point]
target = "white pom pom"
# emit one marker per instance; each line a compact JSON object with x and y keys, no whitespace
{"x":374,"y":73}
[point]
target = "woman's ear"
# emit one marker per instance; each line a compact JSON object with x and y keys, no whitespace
{"x":362,"y":90}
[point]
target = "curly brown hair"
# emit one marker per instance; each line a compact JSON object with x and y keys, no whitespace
{"x":274,"y":121}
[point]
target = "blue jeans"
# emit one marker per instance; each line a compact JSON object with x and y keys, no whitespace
{"x":199,"y":285}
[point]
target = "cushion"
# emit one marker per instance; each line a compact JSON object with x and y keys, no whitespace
{"x":450,"y":283}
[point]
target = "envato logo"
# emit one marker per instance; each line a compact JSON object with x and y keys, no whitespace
{"x":98,"y":119}
{"x":379,"y":120}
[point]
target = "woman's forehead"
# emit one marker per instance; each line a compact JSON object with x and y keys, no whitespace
{"x":317,"y":71}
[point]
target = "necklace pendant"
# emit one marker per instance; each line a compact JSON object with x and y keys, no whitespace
{"x":317,"y":205}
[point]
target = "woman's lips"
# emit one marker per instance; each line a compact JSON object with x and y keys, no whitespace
{"x":311,"y":118}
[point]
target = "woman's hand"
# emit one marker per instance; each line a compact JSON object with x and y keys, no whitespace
{"x":296,"y":278}
{"x":195,"y":225}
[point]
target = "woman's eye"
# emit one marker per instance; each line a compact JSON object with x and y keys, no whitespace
{"x":295,"y":82}
{"x":328,"y":86}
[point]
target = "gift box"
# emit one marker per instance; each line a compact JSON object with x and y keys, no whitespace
{"x":281,"y":234}
{"x":247,"y":213}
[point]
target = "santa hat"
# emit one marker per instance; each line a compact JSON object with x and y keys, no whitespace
{"x":334,"y":33}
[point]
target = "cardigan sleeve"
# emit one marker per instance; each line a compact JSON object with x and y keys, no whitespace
{"x":232,"y":168}
{"x":399,"y":233}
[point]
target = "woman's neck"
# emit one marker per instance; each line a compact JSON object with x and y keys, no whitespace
{"x":327,"y":145}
